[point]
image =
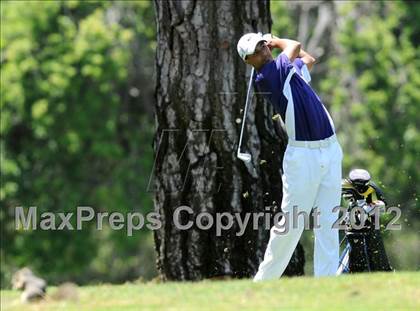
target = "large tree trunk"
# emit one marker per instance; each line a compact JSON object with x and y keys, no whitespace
{"x":201,"y":89}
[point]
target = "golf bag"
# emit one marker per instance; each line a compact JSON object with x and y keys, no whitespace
{"x":364,"y":249}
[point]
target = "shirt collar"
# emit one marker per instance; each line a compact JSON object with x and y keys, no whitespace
{"x":260,"y":73}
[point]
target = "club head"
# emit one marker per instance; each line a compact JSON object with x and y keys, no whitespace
{"x":246,"y":157}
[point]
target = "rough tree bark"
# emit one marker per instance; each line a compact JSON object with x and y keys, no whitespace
{"x":200,"y":94}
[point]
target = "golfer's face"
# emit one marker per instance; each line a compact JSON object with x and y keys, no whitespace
{"x":260,"y":56}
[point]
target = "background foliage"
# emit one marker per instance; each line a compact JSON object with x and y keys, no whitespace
{"x":77,"y":82}
{"x":77,"y":91}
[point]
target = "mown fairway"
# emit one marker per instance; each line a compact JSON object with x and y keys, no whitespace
{"x":384,"y":291}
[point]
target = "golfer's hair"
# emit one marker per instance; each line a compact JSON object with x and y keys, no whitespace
{"x":259,"y":46}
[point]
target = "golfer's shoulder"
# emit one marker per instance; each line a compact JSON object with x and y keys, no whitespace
{"x":283,"y":63}
{"x":283,"y":59}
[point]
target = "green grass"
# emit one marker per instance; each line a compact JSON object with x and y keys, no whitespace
{"x":384,"y":291}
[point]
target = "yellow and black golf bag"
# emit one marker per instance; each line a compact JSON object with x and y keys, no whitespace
{"x":364,"y":248}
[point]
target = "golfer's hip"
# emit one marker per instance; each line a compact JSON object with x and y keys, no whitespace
{"x":309,"y":160}
{"x":315,"y":144}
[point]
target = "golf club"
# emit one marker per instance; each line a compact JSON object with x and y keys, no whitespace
{"x":246,"y":157}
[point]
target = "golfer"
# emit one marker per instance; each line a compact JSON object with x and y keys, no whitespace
{"x":312,"y":161}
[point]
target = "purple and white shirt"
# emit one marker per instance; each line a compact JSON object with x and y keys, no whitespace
{"x":286,"y":86}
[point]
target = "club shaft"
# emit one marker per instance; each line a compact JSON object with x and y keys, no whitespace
{"x":248,"y":95}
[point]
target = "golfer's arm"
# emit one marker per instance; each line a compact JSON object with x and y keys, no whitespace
{"x":308,"y":59}
{"x":289,"y":47}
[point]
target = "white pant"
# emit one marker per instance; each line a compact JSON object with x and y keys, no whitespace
{"x":312,"y":178}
